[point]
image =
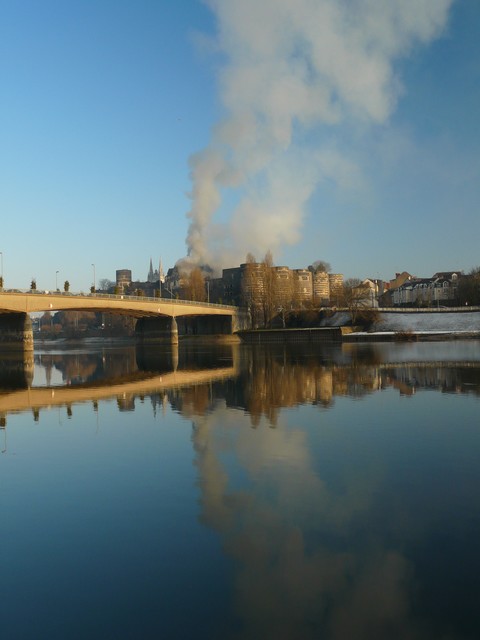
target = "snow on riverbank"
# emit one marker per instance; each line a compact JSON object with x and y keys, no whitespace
{"x":432,"y":322}
{"x":421,"y":322}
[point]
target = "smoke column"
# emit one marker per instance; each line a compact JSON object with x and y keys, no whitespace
{"x":293,"y":71}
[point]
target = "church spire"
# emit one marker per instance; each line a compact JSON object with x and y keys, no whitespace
{"x":150,"y":277}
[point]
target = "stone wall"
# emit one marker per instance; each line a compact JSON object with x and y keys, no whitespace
{"x":16,"y":332}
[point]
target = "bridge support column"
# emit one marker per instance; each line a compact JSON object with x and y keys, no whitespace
{"x":241,"y":320}
{"x":16,"y":332}
{"x":161,"y":360}
{"x":16,"y":370}
{"x":162,"y":330}
{"x":174,"y":331}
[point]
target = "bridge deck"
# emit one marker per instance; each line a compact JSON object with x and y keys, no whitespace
{"x":31,"y":302}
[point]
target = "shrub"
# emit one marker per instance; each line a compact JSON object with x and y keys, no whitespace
{"x":366,"y":318}
{"x":406,"y":336}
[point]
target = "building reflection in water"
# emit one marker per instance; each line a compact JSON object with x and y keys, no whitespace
{"x":327,"y":538}
{"x":318,"y":548}
{"x":259,"y":381}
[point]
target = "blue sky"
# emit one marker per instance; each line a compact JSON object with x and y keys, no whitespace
{"x":107,"y":107}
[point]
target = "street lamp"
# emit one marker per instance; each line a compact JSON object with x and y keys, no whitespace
{"x":1,"y":272}
{"x":94,"y":279}
{"x":56,"y":280}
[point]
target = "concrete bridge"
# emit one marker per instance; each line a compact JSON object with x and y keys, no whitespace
{"x":158,"y":319}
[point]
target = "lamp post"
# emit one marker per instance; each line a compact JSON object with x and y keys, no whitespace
{"x":1,"y":272}
{"x":56,"y":280}
{"x":94,"y":279}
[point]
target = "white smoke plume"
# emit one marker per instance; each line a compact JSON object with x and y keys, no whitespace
{"x":293,"y":71}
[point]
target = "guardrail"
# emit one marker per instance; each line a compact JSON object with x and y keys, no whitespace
{"x":113,"y":296}
{"x":440,"y":309}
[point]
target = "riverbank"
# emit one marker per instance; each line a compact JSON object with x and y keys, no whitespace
{"x":348,"y":334}
{"x":417,"y":321}
{"x":409,"y":336}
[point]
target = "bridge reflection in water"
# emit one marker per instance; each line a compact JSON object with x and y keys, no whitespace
{"x":259,"y":380}
{"x":322,"y":520}
{"x":122,"y":373}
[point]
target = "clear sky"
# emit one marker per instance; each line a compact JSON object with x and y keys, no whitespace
{"x":346,"y":131}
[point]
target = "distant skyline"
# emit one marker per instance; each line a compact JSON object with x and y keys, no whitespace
{"x":347,"y":132}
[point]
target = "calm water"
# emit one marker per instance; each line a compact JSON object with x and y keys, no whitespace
{"x":241,"y":493}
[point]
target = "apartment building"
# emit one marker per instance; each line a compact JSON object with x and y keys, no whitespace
{"x":440,"y":289}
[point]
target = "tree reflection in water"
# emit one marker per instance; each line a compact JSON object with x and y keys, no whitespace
{"x":260,"y":381}
{"x":343,"y":519}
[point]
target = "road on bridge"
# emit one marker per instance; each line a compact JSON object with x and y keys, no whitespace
{"x":137,"y":306}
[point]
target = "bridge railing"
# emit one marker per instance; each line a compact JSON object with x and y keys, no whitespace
{"x":114,"y":296}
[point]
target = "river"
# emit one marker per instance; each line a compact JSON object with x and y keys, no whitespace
{"x":240,"y":493}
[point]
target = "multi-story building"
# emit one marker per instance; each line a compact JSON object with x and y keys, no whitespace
{"x":123,"y":278}
{"x":284,"y":285}
{"x":250,"y":281}
{"x":303,"y":285}
{"x":386,"y":296}
{"x":321,"y":287}
{"x":335,"y":281}
{"x":373,"y":289}
{"x":252,"y":278}
{"x":440,"y":289}
{"x":174,"y":281}
{"x":229,"y":286}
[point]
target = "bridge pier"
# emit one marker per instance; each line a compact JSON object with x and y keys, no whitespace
{"x":16,"y":370}
{"x":241,"y":320}
{"x":161,"y":360}
{"x":16,"y":332}
{"x":161,"y":330}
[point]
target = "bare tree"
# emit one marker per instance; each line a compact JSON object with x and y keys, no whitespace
{"x":252,"y":289}
{"x":46,"y":321}
{"x":266,"y":290}
{"x":355,"y":297}
{"x":269,"y":289}
{"x":320,"y":265}
{"x":194,"y":285}
{"x":105,"y":284}
{"x":285,"y":293}
{"x":468,"y":290}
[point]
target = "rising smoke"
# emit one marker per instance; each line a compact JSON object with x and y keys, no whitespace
{"x":293,"y":71}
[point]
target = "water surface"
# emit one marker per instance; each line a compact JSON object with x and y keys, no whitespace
{"x":241,"y":493}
